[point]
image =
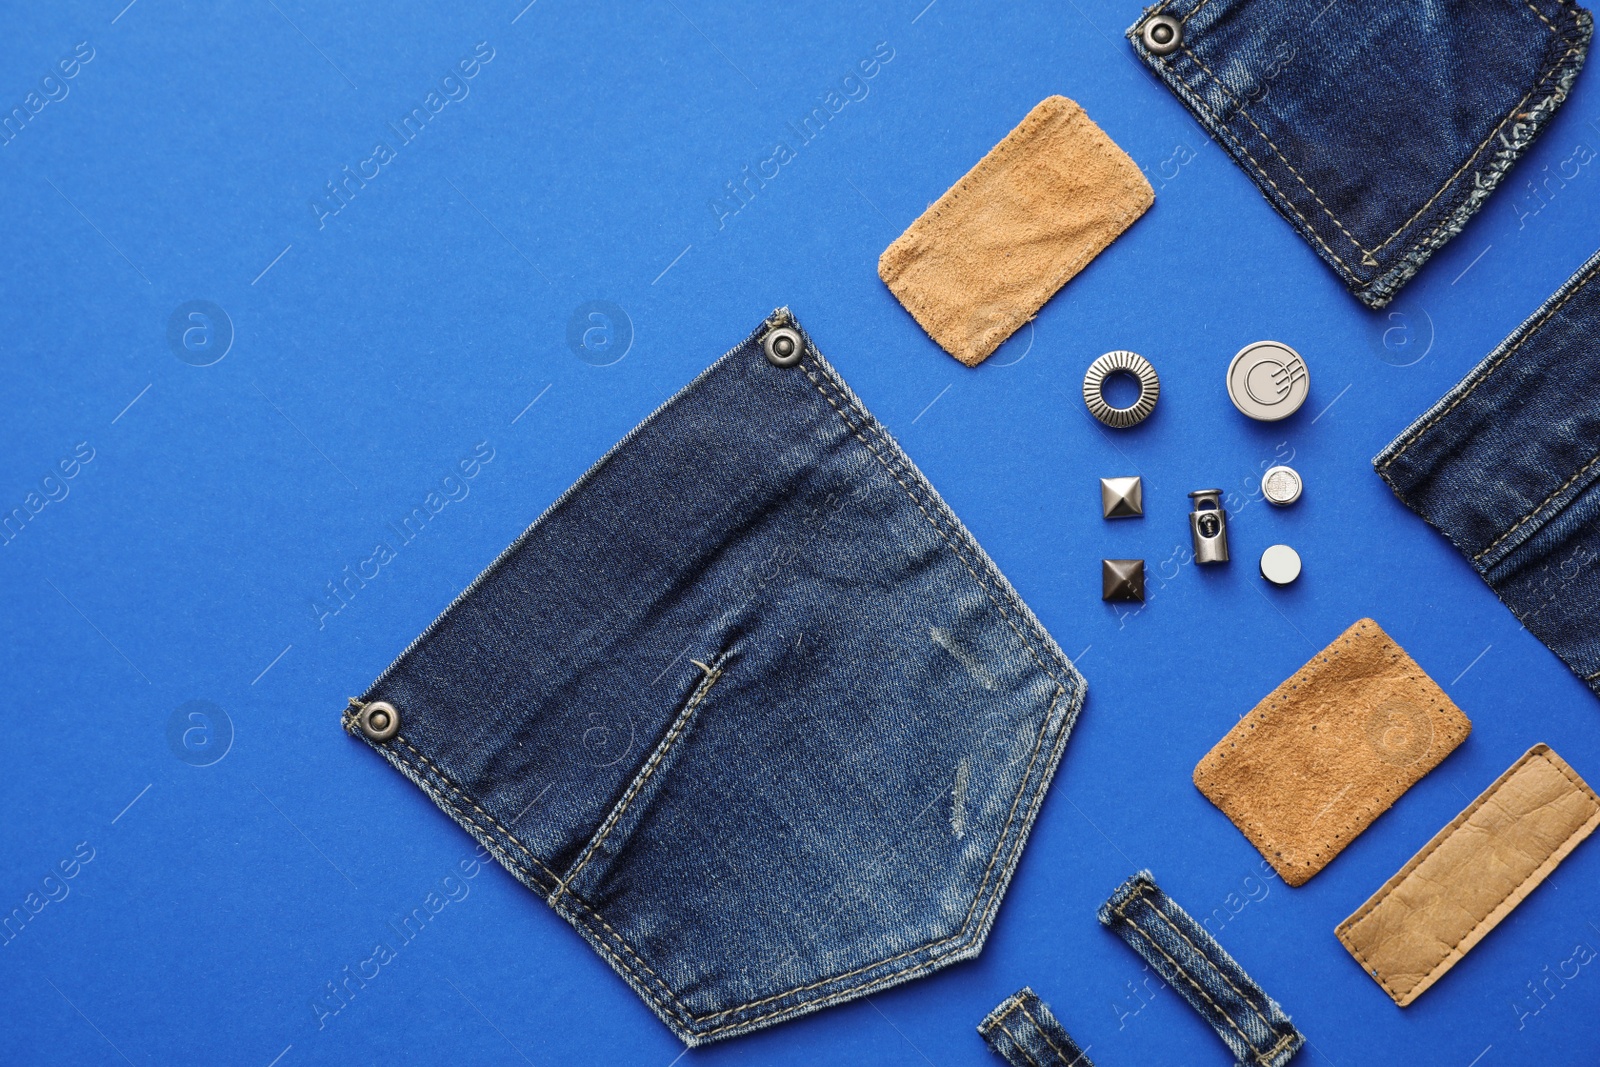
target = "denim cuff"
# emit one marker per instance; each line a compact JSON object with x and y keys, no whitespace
{"x":1026,"y":1034}
{"x":1191,"y":961}
{"x":1505,"y":466}
{"x":1375,"y":129}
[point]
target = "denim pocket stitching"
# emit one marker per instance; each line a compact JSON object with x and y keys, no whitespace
{"x":1480,"y":376}
{"x":1523,"y":521}
{"x":665,"y":746}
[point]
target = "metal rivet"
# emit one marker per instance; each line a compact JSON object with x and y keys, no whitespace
{"x":783,"y":346}
{"x":1281,"y":486}
{"x":1162,"y":34}
{"x":1280,"y":564}
{"x":1121,"y":363}
{"x":379,"y":720}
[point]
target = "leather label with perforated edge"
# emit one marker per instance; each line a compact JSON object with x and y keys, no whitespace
{"x":1471,"y":875}
{"x":1329,"y":750}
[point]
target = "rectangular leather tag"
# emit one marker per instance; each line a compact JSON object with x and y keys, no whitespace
{"x":1325,"y":753}
{"x":1031,"y":214}
{"x":1471,"y":875}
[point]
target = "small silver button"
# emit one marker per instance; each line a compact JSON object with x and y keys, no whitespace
{"x":1280,"y":564}
{"x":379,"y":721}
{"x":783,"y":346}
{"x":1162,"y":34}
{"x":1281,"y":486}
{"x":1268,"y":381}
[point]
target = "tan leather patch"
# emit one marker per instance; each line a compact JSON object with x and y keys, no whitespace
{"x":986,"y":256}
{"x":1471,"y":874}
{"x":1330,"y":750}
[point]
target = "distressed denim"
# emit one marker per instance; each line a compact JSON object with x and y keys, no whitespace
{"x":1375,"y":128}
{"x":1505,"y":465}
{"x":1024,"y":1033}
{"x":747,"y":706}
{"x":1191,"y":961}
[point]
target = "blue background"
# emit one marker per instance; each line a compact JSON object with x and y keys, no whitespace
{"x":373,"y":348}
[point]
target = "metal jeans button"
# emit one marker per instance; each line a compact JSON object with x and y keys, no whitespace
{"x":379,"y":721}
{"x":1162,"y":34}
{"x":783,"y":346}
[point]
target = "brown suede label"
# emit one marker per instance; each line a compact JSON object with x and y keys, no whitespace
{"x":1471,"y":874}
{"x":987,"y":255}
{"x":1330,"y":750}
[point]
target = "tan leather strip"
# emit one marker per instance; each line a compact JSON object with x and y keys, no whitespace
{"x":1330,"y":750}
{"x":1031,"y":214}
{"x":1471,"y":875}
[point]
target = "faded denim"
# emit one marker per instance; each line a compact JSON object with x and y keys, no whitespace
{"x":748,"y":706}
{"x":1376,"y":128}
{"x":1024,"y":1032}
{"x":1505,"y":465}
{"x":1168,"y":939}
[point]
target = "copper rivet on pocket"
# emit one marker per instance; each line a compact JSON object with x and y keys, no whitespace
{"x":1163,"y":34}
{"x":783,"y":346}
{"x":379,"y":721}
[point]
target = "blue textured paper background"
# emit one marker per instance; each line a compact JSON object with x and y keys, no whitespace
{"x":374,"y":348}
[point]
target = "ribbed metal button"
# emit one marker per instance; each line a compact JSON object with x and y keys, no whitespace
{"x":1162,"y":34}
{"x":379,"y":720}
{"x":1132,"y":364}
{"x":783,"y":346}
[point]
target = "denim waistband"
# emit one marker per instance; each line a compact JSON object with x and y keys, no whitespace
{"x":1249,"y":1021}
{"x":1505,"y":465}
{"x":748,"y":706}
{"x":1024,"y":1033}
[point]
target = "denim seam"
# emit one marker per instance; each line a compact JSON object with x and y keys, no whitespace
{"x":642,"y":778}
{"x":1415,"y":861}
{"x":1207,"y":957}
{"x":1187,"y":976}
{"x":1522,"y":521}
{"x":1412,"y":436}
{"x":1045,"y":1034}
{"x":1017,"y":1044}
{"x":1279,"y":153}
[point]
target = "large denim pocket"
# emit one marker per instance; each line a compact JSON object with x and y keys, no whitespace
{"x":1375,"y":128}
{"x":748,"y":706}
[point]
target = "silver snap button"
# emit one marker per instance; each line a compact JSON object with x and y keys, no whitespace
{"x":379,"y":721}
{"x":1281,"y":486}
{"x":783,"y":346}
{"x":1121,"y":363}
{"x":1280,"y":565}
{"x":1162,"y":34}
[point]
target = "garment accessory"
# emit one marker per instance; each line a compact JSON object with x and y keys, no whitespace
{"x":1024,"y":1033}
{"x":378,"y":720}
{"x":1168,"y":939}
{"x":1028,"y":217}
{"x":1471,"y":875}
{"x":1122,"y":498}
{"x":1130,"y":363}
{"x":1268,"y":381}
{"x":1328,"y":751}
{"x":1471,"y":84}
{"x":673,"y":653}
{"x":1281,"y":486}
{"x":1506,"y":466}
{"x":1162,"y":34}
{"x":1280,"y":565}
{"x":1122,"y":579}
{"x":1208,"y":526}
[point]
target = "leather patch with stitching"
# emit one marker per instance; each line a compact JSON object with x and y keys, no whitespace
{"x":1471,"y":875}
{"x":1330,"y":750}
{"x":1031,"y":214}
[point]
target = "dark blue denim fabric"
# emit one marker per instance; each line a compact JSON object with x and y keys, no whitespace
{"x":1024,"y":1032}
{"x":747,"y":706}
{"x":1506,"y":466}
{"x":1375,"y":128}
{"x":1249,"y":1021}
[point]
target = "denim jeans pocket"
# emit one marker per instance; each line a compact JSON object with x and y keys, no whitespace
{"x":1376,"y":129}
{"x":748,"y":706}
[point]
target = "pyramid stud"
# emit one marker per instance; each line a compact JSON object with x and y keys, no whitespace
{"x":1122,"y":498}
{"x":1122,"y":579}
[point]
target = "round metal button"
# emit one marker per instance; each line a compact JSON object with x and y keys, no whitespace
{"x":1268,"y":381}
{"x":1280,"y":564}
{"x":379,"y":721}
{"x":1281,"y":486}
{"x":783,"y":346}
{"x":1121,"y":363}
{"x":1162,"y":34}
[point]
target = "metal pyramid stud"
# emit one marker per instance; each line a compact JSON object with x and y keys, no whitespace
{"x":1122,"y":498}
{"x":1122,"y":579}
